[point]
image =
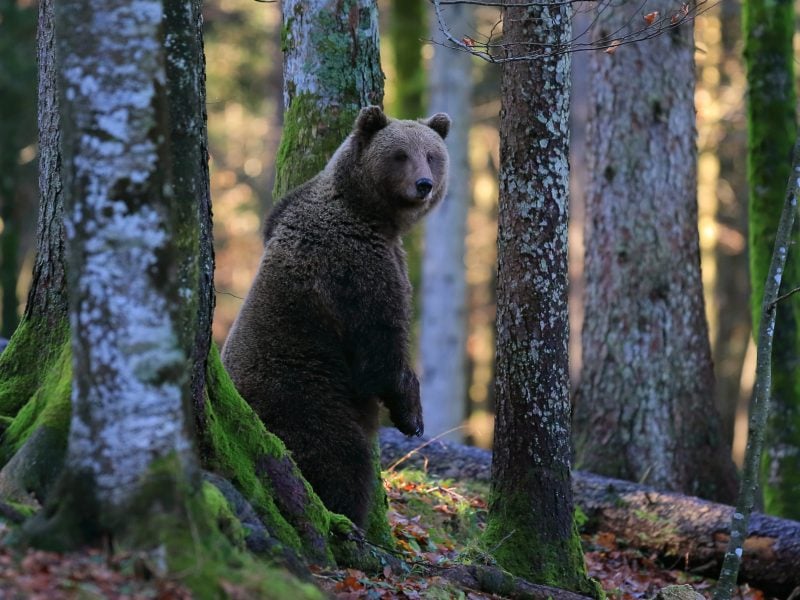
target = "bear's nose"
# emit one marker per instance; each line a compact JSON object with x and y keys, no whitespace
{"x":424,"y":186}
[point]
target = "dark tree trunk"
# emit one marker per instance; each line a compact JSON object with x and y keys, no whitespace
{"x":644,"y":408}
{"x":530,"y":527}
{"x":186,"y":91}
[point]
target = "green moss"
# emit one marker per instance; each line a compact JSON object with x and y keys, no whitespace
{"x":26,"y":361}
{"x":244,"y":452}
{"x":379,"y":531}
{"x":48,"y":406}
{"x":529,"y":545}
{"x":34,"y":444}
{"x":311,"y":134}
{"x":222,"y":515}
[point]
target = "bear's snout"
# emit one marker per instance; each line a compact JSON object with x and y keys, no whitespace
{"x":424,"y":187}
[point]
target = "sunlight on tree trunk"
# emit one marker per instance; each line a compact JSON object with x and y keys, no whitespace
{"x":644,"y":409}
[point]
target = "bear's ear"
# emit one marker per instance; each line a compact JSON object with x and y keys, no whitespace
{"x":370,"y":120}
{"x":440,"y":123}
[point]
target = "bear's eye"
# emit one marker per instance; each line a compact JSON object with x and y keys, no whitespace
{"x":400,"y":156}
{"x":431,"y":158}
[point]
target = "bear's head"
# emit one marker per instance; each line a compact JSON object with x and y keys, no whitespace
{"x":400,"y":166}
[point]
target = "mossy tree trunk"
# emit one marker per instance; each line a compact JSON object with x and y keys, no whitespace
{"x":331,"y":70}
{"x":443,"y":327}
{"x":129,"y":458}
{"x":405,"y":34}
{"x":644,"y":409}
{"x":284,"y":519}
{"x":32,"y":446}
{"x":772,"y":127}
{"x":530,"y":528}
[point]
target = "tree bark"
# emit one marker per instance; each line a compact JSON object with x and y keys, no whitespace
{"x":129,"y":442}
{"x":530,"y":528}
{"x":683,"y":530}
{"x":331,"y":69}
{"x":772,"y":128}
{"x":185,"y":70}
{"x":644,"y":408}
{"x":443,"y":327}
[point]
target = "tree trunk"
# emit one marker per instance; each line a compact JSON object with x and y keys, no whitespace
{"x":443,"y":337}
{"x":644,"y":408}
{"x":34,"y":369}
{"x":128,"y":442}
{"x":331,"y":69}
{"x":186,"y":91}
{"x":682,"y":530}
{"x":410,"y":82}
{"x":530,"y":528}
{"x":768,"y":32}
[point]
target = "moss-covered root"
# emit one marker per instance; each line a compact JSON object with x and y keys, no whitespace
{"x":239,"y":448}
{"x":553,"y":562}
{"x":34,"y":443}
{"x":184,"y":531}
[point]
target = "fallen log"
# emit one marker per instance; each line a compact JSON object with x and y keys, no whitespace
{"x":683,"y":530}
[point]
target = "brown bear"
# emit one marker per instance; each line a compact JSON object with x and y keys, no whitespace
{"x":323,"y":334}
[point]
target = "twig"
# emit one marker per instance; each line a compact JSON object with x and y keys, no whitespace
{"x":786,"y":295}
{"x":411,"y":453}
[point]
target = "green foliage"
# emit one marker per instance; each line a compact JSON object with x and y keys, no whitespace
{"x":768,"y":31}
{"x":408,"y":27}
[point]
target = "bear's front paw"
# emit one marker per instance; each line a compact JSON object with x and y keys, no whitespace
{"x":406,"y":413}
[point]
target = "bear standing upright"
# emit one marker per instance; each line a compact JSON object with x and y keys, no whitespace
{"x":323,"y":334}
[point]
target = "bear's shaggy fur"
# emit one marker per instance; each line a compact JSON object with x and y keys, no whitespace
{"x":323,"y":334}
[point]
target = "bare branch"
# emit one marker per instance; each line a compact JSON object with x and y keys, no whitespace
{"x":652,"y":25}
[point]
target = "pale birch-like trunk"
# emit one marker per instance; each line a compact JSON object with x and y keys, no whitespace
{"x":644,"y":410}
{"x":530,"y":528}
{"x":443,"y":329}
{"x":130,"y":387}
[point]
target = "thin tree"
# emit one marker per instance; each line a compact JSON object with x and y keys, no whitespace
{"x":530,"y":529}
{"x":761,"y":398}
{"x":443,"y":329}
{"x":644,"y":408}
{"x":771,"y":127}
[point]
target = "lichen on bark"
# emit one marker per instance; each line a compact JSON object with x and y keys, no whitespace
{"x":530,"y":528}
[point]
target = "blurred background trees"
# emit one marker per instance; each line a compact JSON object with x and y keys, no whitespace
{"x":245,"y":115}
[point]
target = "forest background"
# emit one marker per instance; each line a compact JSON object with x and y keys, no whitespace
{"x":245,"y":115}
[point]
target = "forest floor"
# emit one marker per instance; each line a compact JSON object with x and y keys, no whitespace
{"x":434,"y":522}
